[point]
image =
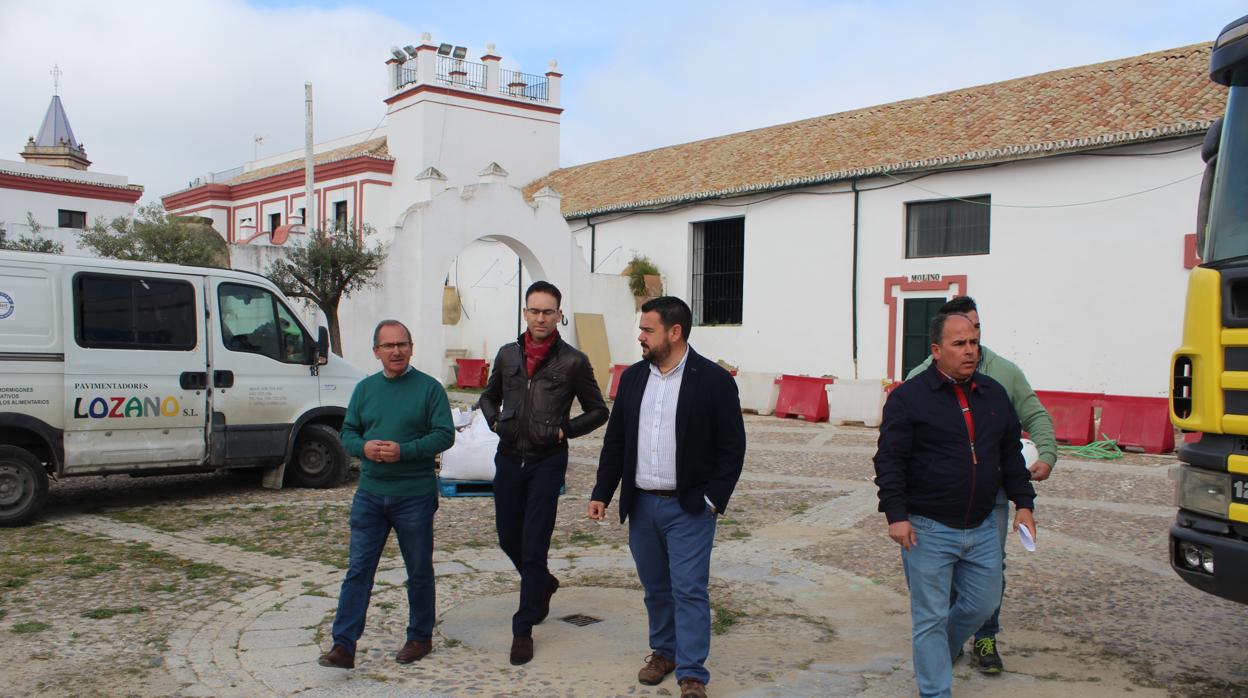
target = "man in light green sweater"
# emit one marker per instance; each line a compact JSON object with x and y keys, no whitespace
{"x":396,"y":422}
{"x":1039,"y":427}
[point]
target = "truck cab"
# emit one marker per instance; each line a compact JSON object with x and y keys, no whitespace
{"x":1209,"y":385}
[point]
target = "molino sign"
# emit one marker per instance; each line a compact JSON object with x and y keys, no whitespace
{"x":126,"y":406}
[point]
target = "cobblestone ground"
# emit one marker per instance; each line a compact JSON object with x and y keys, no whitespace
{"x":210,"y":586}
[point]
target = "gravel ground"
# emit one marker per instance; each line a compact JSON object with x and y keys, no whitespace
{"x":86,"y":616}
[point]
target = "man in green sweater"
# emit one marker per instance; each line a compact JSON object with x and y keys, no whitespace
{"x":1039,"y":427}
{"x":396,"y":422}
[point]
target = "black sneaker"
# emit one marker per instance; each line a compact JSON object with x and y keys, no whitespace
{"x":986,"y":657}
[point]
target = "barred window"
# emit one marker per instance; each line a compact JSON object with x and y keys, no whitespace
{"x":718,"y":271}
{"x":947,"y":228}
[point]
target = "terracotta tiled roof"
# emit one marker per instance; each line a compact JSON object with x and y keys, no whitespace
{"x":376,"y":148}
{"x":1156,"y":95}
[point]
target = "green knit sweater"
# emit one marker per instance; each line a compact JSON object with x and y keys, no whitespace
{"x":412,"y":410}
{"x":1035,"y":420}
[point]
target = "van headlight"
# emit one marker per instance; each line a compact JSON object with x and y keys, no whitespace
{"x":1204,"y":491}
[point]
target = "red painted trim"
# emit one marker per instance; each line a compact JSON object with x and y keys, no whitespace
{"x":491,"y":57}
{"x":378,"y":182}
{"x":269,"y":201}
{"x":255,"y":215}
{"x":474,"y":96}
{"x":904,"y":284}
{"x":553,"y":74}
{"x":328,"y":171}
{"x":1191,"y":256}
{"x":361,"y":164}
{"x":350,"y":198}
{"x":203,"y":208}
{"x":483,"y":111}
{"x":83,"y":190}
{"x":198,"y":195}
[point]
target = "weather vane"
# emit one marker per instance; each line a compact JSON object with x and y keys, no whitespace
{"x":56,"y":74}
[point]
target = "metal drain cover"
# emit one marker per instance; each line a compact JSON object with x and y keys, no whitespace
{"x":580,"y":620}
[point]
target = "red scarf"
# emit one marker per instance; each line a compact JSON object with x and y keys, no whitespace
{"x":535,"y":352}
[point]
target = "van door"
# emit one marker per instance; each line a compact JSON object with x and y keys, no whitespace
{"x":135,"y":370}
{"x":262,"y":373}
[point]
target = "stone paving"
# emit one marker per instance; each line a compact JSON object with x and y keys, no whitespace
{"x":808,"y":591}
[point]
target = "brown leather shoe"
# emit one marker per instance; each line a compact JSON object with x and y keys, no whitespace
{"x":337,"y":658}
{"x":521,"y":650}
{"x":413,"y":650}
{"x":656,"y":668}
{"x":552,"y":585}
{"x":692,"y":688}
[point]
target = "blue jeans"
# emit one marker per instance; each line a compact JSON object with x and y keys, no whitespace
{"x":372,"y":517}
{"x":1001,"y":510}
{"x":672,"y":549}
{"x":945,"y":559}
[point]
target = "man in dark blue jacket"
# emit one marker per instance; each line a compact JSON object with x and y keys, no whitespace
{"x":949,"y":441}
{"x":674,"y":446}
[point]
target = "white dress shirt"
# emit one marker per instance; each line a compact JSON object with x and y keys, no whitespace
{"x":656,"y":429}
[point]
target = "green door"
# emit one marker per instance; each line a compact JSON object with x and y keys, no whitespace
{"x":917,"y":314}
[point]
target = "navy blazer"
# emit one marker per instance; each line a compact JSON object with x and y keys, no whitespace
{"x":924,"y":462}
{"x":710,"y":437}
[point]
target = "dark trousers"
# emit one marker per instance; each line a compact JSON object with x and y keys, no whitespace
{"x":526,"y":499}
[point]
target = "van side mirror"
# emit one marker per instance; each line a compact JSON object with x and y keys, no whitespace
{"x":322,"y":346}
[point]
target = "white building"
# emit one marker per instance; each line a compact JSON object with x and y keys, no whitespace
{"x":1063,"y":202}
{"x":53,"y":185}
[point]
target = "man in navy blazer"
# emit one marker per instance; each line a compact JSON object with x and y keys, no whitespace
{"x":674,"y":446}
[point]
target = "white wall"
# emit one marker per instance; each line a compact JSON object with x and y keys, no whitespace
{"x":1084,"y":298}
{"x":14,"y":203}
{"x":795,"y":315}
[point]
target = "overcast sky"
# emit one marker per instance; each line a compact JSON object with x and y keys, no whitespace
{"x":165,"y":91}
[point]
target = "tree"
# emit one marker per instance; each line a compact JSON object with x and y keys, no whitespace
{"x":330,"y":267}
{"x":155,"y":236}
{"x":34,"y":242}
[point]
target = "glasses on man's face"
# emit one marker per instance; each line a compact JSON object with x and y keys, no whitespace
{"x":391,"y":346}
{"x":544,"y":312}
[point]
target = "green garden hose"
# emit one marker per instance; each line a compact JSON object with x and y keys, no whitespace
{"x":1100,"y":450}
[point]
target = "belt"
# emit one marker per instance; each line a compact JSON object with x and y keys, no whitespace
{"x":659,"y":493}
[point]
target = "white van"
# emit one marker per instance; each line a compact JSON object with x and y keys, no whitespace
{"x":130,"y":367}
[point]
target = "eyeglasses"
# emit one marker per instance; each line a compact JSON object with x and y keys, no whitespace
{"x":544,"y":312}
{"x":391,"y":346}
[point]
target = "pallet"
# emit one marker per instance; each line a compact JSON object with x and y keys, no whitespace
{"x":472,"y":488}
{"x":466,"y":488}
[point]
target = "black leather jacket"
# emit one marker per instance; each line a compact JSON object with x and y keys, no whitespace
{"x":528,"y":412}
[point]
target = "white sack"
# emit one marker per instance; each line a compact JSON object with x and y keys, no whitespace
{"x":472,"y":456}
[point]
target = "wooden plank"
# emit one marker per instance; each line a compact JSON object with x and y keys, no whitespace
{"x":591,"y":338}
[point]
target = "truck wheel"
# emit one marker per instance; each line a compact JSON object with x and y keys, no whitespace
{"x":319,"y":459}
{"x":23,"y":486}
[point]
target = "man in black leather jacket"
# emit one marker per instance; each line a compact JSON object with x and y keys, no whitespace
{"x":527,"y":400}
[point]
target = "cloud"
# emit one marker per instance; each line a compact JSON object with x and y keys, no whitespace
{"x":166,"y":91}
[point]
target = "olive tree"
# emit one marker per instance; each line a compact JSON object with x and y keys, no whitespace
{"x":152,"y":235}
{"x":329,"y":267}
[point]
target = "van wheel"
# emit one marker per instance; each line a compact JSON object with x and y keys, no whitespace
{"x":23,"y":486}
{"x":319,"y":460}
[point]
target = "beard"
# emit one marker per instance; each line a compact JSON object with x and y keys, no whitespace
{"x":656,"y":354}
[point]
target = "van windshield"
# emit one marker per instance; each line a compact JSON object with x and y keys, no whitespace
{"x":254,"y":321}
